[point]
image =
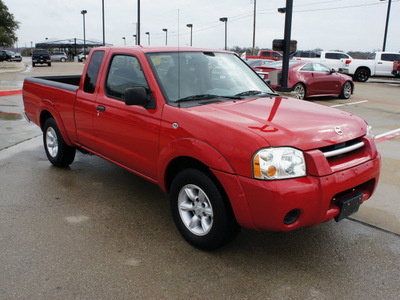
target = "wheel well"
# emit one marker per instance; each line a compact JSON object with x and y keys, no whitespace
{"x":44,"y":115}
{"x":181,"y":163}
{"x":364,"y":68}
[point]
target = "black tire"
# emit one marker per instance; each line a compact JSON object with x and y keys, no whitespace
{"x":362,"y":75}
{"x":49,"y":64}
{"x":300,"y":90}
{"x":33,"y":65}
{"x":207,"y":210}
{"x":57,"y":151}
{"x":346,"y":90}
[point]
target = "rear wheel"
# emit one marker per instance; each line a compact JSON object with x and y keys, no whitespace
{"x":57,"y":151}
{"x":300,"y":90}
{"x":346,"y":90}
{"x":362,"y":75}
{"x":200,"y":210}
{"x":49,"y":64}
{"x":63,"y":59}
{"x":33,"y":65}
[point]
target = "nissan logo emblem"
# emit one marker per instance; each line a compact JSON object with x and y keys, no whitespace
{"x":338,"y":130}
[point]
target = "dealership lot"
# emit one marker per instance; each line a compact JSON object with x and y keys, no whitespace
{"x":95,"y":230}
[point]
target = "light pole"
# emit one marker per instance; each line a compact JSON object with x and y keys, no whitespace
{"x":286,"y":47}
{"x":191,"y":32}
{"x":166,"y":36}
{"x":138,"y":22}
{"x":135,"y":37}
{"x":387,"y":24}
{"x":124,"y":40}
{"x":254,"y":26}
{"x":104,"y":26}
{"x":225,"y":20}
{"x":84,"y":12}
{"x":148,"y":37}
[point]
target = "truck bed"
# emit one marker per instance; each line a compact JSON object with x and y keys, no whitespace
{"x":70,"y":83}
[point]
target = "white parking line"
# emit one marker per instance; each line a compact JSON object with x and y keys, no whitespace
{"x":352,"y":103}
{"x":387,"y":133}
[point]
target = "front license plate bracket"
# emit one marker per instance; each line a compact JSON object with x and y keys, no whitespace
{"x":349,"y":206}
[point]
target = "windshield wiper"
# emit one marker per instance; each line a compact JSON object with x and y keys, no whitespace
{"x":206,"y":97}
{"x":249,"y":93}
{"x":255,"y":92}
{"x":197,"y":97}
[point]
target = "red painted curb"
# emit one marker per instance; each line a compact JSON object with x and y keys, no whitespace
{"x":9,"y":93}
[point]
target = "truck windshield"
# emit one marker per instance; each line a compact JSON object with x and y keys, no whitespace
{"x":186,"y":75}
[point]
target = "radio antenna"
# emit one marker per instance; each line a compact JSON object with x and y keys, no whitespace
{"x":179,"y":64}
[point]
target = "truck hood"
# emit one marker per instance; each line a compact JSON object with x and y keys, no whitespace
{"x":285,"y":121}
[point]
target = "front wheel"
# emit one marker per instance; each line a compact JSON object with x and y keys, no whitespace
{"x":201,"y":211}
{"x":346,"y":90}
{"x":300,"y":91}
{"x":57,"y":151}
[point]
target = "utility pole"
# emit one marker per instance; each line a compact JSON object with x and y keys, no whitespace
{"x":138,"y":22}
{"x":254,"y":26}
{"x":387,"y":25}
{"x":104,"y":28}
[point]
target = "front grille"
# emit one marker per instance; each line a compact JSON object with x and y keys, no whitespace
{"x":342,"y":148}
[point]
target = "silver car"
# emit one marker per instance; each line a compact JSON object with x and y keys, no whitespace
{"x":58,"y":56}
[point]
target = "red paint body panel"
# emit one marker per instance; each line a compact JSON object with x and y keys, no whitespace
{"x":224,"y":137}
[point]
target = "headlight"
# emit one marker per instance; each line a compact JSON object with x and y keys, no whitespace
{"x":278,"y":163}
{"x":369,"y":132}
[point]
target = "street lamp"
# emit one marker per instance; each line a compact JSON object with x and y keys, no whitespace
{"x":166,"y":36}
{"x":191,"y":32}
{"x":387,"y":24}
{"x":84,"y":12}
{"x":124,"y":40}
{"x":148,"y":37}
{"x":286,"y":45}
{"x":135,"y":37}
{"x":225,"y":20}
{"x":138,"y":23}
{"x":104,"y":26}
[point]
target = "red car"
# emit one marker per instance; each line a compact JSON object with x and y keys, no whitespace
{"x":308,"y":79}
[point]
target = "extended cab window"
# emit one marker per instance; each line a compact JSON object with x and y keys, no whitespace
{"x":124,"y":72}
{"x":372,"y":56}
{"x":93,"y":72}
{"x":390,"y":57}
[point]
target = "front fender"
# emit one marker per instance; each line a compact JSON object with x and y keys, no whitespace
{"x":193,"y":148}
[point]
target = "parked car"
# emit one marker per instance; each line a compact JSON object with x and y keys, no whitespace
{"x":208,"y":131}
{"x":308,"y":79}
{"x":264,"y":54}
{"x":13,"y":56}
{"x":82,"y":57}
{"x":396,"y":68}
{"x":41,"y":57}
{"x":3,"y":55}
{"x":377,"y":64}
{"x":332,"y":59}
{"x":59,"y":56}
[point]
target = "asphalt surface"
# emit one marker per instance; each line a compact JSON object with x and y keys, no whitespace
{"x":96,"y":231}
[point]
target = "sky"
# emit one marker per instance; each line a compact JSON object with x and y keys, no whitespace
{"x":347,"y":25}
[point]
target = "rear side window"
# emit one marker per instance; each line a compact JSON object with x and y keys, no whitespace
{"x":265,"y":54}
{"x":390,"y":57}
{"x":93,"y":72}
{"x":372,"y":56}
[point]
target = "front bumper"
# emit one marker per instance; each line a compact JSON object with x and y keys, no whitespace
{"x":263,"y":205}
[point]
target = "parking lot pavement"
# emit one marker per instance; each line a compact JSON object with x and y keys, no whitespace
{"x":95,"y":230}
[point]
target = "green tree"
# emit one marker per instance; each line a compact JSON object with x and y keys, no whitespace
{"x":8,"y":26}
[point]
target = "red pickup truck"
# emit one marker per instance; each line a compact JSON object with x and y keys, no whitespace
{"x":265,"y":54}
{"x":206,"y":129}
{"x":396,"y":68}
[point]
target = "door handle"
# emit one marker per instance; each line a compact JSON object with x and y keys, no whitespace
{"x":379,"y":63}
{"x":101,"y":108}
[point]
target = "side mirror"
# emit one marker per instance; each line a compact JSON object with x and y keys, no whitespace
{"x":138,"y":96}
